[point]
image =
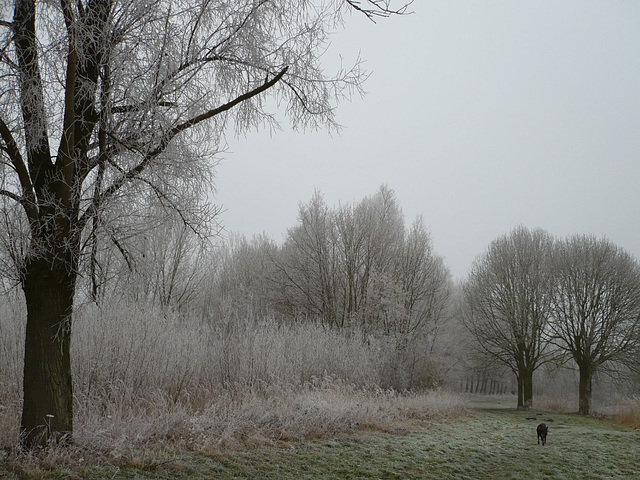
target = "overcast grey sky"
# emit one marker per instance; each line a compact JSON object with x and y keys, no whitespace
{"x":480,"y":115}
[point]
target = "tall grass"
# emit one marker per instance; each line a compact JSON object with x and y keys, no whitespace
{"x":557,"y":403}
{"x":144,"y":377}
{"x":627,"y":412}
{"x":147,"y":349}
{"x":621,"y":409}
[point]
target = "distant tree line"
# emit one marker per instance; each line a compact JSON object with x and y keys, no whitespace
{"x":354,"y":267}
{"x":532,"y":299}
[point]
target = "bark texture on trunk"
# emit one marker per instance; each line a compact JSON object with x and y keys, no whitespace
{"x":528,"y":389}
{"x":584,"y":390}
{"x":520,"y":391}
{"x":47,"y":413}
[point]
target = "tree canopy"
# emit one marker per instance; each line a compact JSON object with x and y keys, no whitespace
{"x":507,"y":303}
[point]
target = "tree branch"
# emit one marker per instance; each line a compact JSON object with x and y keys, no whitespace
{"x":32,"y":94}
{"x":377,"y":8}
{"x":28,"y":200}
{"x":67,"y":143}
{"x":164,"y":142}
{"x":138,"y":107}
{"x":11,"y":195}
{"x":227,"y":106}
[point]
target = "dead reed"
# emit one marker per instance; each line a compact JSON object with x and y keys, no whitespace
{"x":147,"y":380}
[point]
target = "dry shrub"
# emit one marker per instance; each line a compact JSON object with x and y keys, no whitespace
{"x":115,"y":427}
{"x":556,"y":403}
{"x":146,"y":379}
{"x":12,"y":328}
{"x":627,"y":412}
{"x":9,"y":420}
{"x":116,"y":423}
{"x":600,"y":405}
{"x":148,"y":349}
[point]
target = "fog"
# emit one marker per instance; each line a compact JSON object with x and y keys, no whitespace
{"x":480,"y":116}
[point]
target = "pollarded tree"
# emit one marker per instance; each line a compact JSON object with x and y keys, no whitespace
{"x":507,"y":303}
{"x":105,"y":101}
{"x":596,"y":307}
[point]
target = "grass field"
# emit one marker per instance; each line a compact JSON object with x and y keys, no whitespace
{"x":493,"y":442}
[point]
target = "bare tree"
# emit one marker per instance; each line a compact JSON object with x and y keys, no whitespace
{"x":507,"y":303}
{"x":333,"y":255}
{"x":239,"y":279}
{"x":308,"y":265}
{"x":357,"y":266}
{"x":105,"y":101}
{"x":596,"y":307}
{"x":380,"y":220}
{"x":164,"y":267}
{"x":426,"y":280}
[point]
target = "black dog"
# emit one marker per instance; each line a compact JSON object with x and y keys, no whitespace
{"x":542,"y":433}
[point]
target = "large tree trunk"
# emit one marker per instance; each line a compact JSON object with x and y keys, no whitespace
{"x":584,"y":390}
{"x":527,"y":388}
{"x":48,"y":395}
{"x":520,"y":390}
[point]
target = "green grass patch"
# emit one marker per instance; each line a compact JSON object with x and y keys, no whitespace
{"x":491,"y":444}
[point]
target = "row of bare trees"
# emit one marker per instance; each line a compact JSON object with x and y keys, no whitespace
{"x":354,"y":267}
{"x":532,"y":299}
{"x":357,"y":264}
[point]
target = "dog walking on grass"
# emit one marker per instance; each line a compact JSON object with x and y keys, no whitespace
{"x":542,"y":433}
